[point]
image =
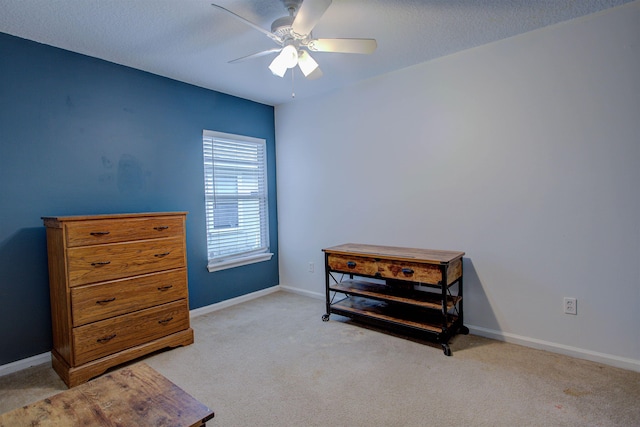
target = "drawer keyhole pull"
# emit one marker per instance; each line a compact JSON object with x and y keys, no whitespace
{"x":99,"y":233}
{"x":106,"y":339}
{"x":104,"y":301}
{"x":162,"y":227}
{"x":99,"y":263}
{"x":407,"y":271}
{"x":165,"y":288}
{"x":165,"y":321}
{"x":351,"y":264}
{"x":162,"y":254}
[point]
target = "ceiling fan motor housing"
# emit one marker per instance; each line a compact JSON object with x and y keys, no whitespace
{"x":282,"y":27}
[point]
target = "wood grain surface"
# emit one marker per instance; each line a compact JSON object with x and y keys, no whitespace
{"x":132,"y":396}
{"x":431,"y":256}
{"x":118,"y":288}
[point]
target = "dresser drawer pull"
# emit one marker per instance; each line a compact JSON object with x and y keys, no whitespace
{"x":351,"y":264}
{"x":162,"y":254}
{"x":165,"y":321}
{"x":407,"y":271}
{"x":99,"y":263}
{"x":99,"y":233}
{"x":104,"y":301}
{"x":165,"y":288}
{"x":106,"y":339}
{"x":162,"y":227}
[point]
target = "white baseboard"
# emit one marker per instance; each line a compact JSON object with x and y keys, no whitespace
{"x":233,"y":301}
{"x":303,"y":292}
{"x":579,"y":353}
{"x":21,"y":364}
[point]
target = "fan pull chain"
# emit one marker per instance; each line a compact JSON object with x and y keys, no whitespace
{"x":293,"y":93}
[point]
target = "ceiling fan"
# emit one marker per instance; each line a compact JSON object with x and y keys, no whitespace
{"x":292,"y":33}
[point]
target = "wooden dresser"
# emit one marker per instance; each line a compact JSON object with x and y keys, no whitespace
{"x":118,"y":286}
{"x":413,"y":290}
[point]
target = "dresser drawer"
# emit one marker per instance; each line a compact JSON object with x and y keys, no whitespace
{"x":91,"y":303}
{"x":353,"y":264}
{"x":98,"y":231}
{"x":108,"y":336}
{"x":413,"y":272}
{"x":91,"y":264}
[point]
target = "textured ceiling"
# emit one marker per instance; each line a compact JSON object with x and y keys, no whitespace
{"x":190,"y":41}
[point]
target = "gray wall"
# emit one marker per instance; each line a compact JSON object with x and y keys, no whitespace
{"x":524,"y":153}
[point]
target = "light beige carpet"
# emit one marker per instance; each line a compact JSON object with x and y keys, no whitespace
{"x":273,"y":362}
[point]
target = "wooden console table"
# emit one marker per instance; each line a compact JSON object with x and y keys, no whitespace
{"x":132,"y":396}
{"x":416,"y":290}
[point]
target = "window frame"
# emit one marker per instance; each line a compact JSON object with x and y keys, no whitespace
{"x":262,"y":253}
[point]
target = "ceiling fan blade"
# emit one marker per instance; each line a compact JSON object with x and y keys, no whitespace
{"x":365,"y":46}
{"x":256,"y":55}
{"x":269,"y":34}
{"x":308,"y":16}
{"x":308,"y":66}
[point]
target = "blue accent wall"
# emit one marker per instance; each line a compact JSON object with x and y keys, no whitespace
{"x":82,"y":136}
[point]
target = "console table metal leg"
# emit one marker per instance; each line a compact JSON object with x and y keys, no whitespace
{"x":325,"y":317}
{"x":446,"y":349}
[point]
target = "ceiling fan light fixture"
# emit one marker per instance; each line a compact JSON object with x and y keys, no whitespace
{"x":277,"y":67}
{"x":307,"y":64}
{"x":289,"y":56}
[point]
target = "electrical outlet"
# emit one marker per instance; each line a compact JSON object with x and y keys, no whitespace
{"x":311,"y":267}
{"x":570,"y":306}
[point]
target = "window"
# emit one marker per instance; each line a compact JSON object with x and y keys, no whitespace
{"x":235,"y":180}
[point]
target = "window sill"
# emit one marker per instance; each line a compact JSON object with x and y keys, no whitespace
{"x":223,"y":265}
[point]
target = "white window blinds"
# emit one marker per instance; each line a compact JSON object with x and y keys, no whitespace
{"x":235,"y":174}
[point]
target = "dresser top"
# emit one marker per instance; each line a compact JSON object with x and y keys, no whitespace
{"x":108,"y":216}
{"x":431,"y":256}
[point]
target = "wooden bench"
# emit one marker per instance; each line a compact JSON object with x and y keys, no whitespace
{"x":132,"y":396}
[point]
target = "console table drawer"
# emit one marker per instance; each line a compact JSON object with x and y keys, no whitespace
{"x":92,"y":303}
{"x":353,"y":264}
{"x":109,"y":336}
{"x":91,"y":264}
{"x":413,"y":272}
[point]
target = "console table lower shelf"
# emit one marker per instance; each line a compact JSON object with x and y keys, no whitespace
{"x":416,"y":290}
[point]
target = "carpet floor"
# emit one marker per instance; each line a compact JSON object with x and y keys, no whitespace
{"x":272,"y":361}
